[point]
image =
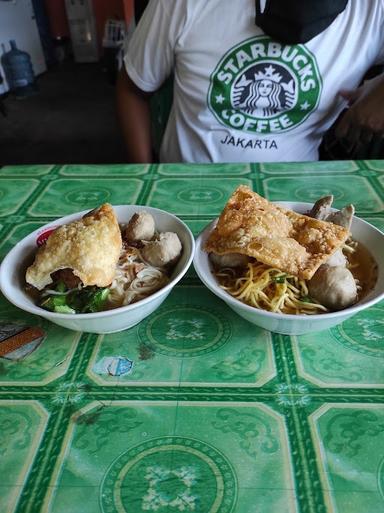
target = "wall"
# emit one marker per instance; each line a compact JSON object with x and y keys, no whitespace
{"x":104,"y":10}
{"x":17,"y":21}
{"x":57,"y":18}
{"x":128,"y":10}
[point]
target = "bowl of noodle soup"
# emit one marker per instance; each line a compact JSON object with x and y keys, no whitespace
{"x":119,"y":316}
{"x":305,"y":318}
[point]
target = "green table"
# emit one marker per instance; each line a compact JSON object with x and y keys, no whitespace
{"x":215,"y":415}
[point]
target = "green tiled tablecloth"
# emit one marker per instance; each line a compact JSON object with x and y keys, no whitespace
{"x":216,"y":415}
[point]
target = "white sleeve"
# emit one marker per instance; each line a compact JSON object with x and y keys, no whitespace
{"x":380,"y":56}
{"x":149,"y":59}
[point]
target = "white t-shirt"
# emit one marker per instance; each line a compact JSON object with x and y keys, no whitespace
{"x":240,"y":96}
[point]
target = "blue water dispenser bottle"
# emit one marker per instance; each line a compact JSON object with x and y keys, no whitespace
{"x":18,"y":70}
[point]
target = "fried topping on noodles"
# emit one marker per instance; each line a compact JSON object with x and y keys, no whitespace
{"x":291,"y":242}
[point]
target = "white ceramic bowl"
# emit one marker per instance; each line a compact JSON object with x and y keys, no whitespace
{"x":368,"y":235}
{"x":12,"y":276}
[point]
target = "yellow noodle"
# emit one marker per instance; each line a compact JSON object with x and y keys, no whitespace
{"x":350,"y":246}
{"x":269,"y":289}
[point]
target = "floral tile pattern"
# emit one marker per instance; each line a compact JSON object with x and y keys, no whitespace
{"x":207,"y":413}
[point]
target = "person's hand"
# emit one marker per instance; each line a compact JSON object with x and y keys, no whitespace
{"x":365,"y":116}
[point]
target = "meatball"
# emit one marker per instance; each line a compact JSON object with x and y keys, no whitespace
{"x":140,"y":227}
{"x":333,"y":287}
{"x":321,"y":208}
{"x":342,"y":217}
{"x":338,"y":258}
{"x":163,"y":251}
{"x":229,"y":260}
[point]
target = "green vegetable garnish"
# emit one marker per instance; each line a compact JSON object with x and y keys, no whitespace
{"x":86,"y":300}
{"x":280,"y":278}
{"x":61,"y":287}
{"x":64,"y":309}
{"x":51,"y":302}
{"x":96,"y":300}
{"x":306,"y":299}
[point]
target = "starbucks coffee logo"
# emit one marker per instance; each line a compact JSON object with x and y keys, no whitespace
{"x":262,"y":86}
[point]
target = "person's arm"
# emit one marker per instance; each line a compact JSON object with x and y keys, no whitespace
{"x":134,"y":115}
{"x":365,"y":117}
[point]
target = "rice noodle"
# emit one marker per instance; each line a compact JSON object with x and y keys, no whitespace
{"x":134,"y":279}
{"x":52,"y":292}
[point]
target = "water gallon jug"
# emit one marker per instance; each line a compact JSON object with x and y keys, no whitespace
{"x":18,"y":71}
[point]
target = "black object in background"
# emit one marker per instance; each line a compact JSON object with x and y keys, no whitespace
{"x":297,"y":21}
{"x":333,"y":148}
{"x":44,"y":29}
{"x":2,"y":106}
{"x":139,"y":6}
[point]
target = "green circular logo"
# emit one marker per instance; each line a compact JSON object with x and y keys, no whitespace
{"x":363,"y":333}
{"x":315,"y":192}
{"x":88,"y":197}
{"x":200,"y":194}
{"x":169,"y":474}
{"x":380,"y":478}
{"x":184,"y":331}
{"x":264,"y":87}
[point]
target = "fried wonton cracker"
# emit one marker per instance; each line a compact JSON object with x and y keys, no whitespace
{"x":294,"y":243}
{"x":90,"y":247}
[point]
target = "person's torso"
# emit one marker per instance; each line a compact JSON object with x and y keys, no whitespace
{"x":241,"y":96}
